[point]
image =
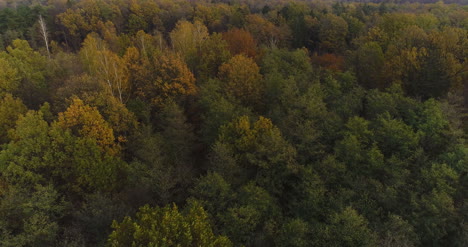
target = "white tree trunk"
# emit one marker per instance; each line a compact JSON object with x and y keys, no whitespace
{"x":44,"y":34}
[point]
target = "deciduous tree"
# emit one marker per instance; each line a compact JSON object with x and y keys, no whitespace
{"x":187,"y":39}
{"x":10,"y":110}
{"x":170,"y":80}
{"x":243,"y":80}
{"x":108,"y":68}
{"x":241,"y":42}
{"x":332,"y":33}
{"x":86,"y":121}
{"x":166,"y":226}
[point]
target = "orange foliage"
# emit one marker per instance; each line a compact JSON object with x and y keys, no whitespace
{"x":265,"y":32}
{"x":329,"y":61}
{"x":175,"y":77}
{"x":86,"y":121}
{"x":172,"y":79}
{"x":240,"y":42}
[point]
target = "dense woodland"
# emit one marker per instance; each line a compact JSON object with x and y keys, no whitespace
{"x":233,"y":123}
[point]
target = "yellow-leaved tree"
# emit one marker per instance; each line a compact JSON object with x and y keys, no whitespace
{"x":106,"y":66}
{"x":243,"y":80}
{"x":187,"y":39}
{"x":167,"y":78}
{"x":9,"y":78}
{"x":86,"y":121}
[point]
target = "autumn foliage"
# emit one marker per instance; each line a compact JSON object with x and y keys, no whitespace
{"x":243,"y":80}
{"x":241,"y":42}
{"x":86,"y":121}
{"x":233,"y":123}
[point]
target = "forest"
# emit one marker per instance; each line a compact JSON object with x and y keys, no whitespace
{"x":233,"y":123}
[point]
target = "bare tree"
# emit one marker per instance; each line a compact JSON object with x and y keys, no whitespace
{"x":44,"y":33}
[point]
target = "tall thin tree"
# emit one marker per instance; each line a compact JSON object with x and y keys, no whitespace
{"x":44,"y":33}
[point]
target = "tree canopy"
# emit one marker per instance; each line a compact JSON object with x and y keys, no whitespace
{"x":233,"y":123}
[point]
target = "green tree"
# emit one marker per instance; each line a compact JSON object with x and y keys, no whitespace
{"x":398,"y":231}
{"x":40,"y":153}
{"x":260,"y":150}
{"x":332,"y":33}
{"x":348,"y":228}
{"x":143,"y":16}
{"x":294,"y":233}
{"x":10,"y":110}
{"x":213,"y":53}
{"x":163,"y":167}
{"x":178,"y":136}
{"x":150,"y":177}
{"x":252,"y":218}
{"x":166,"y":227}
{"x":295,"y":14}
{"x":218,"y":109}
{"x":30,"y":217}
{"x":368,"y":64}
{"x":394,"y":137}
{"x":30,"y":69}
{"x":243,"y":80}
{"x":434,"y":217}
{"x":9,"y":78}
{"x":94,"y":216}
{"x":296,"y":100}
{"x":214,"y":194}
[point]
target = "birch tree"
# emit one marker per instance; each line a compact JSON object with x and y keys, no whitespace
{"x":44,"y":34}
{"x":107,"y":66}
